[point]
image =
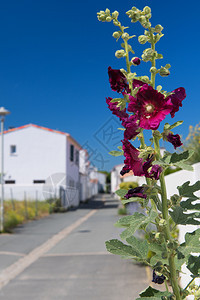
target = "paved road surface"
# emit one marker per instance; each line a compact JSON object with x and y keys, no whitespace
{"x":63,"y":257}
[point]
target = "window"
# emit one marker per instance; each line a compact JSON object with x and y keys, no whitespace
{"x":77,"y":157}
{"x":71,"y":152}
{"x":13,"y":149}
{"x":9,"y":181}
{"x":38,"y":181}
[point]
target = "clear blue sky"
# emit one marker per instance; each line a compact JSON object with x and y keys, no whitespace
{"x":53,"y":65}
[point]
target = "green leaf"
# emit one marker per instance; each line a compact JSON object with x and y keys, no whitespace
{"x":134,"y":223}
{"x":139,"y":246}
{"x":179,"y":217}
{"x":188,"y":191}
{"x":184,"y":166}
{"x":167,"y":126}
{"x":121,"y":193}
{"x":116,"y":153}
{"x":132,"y":199}
{"x":181,"y":156}
{"x":194,"y":265}
{"x":151,"y":293}
{"x":188,"y":204}
{"x":191,"y":244}
{"x":117,"y":247}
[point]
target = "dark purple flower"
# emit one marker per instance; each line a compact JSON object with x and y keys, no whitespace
{"x":132,"y":160}
{"x":176,"y":99}
{"x":116,"y":110}
{"x":150,"y":106}
{"x":155,"y":172}
{"x":136,"y":61}
{"x":117,"y":80}
{"x":137,"y":83}
{"x":174,"y":139}
{"x":136,"y":192}
{"x":158,"y":278}
{"x":131,"y":127}
{"x":125,"y":170}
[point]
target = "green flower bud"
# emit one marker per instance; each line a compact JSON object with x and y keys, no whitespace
{"x":162,"y":223}
{"x":108,"y":19}
{"x":147,"y":10}
{"x":107,"y":11}
{"x":125,"y":36}
{"x":142,"y":39}
{"x":134,"y":9}
{"x":142,"y":20}
{"x":167,"y":66}
{"x":153,"y":70}
{"x":116,"y":34}
{"x":157,"y":236}
{"x":164,"y":255}
{"x":130,"y":76}
{"x":164,"y":72}
{"x":115,"y":14}
{"x":119,"y":53}
{"x":147,"y":54}
{"x":129,"y":13}
{"x":148,"y":16}
{"x":158,"y":28}
{"x":115,"y":22}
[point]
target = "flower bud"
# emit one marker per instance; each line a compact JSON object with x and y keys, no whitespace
{"x":130,"y":76}
{"x":158,"y":28}
{"x":148,"y":16}
{"x":147,"y":10}
{"x":142,"y":39}
{"x":125,"y":36}
{"x":147,"y":54}
{"x":153,"y":70}
{"x":136,"y":61}
{"x":142,"y":19}
{"x":164,"y":72}
{"x":134,"y":9}
{"x":162,"y":222}
{"x":107,"y":11}
{"x":115,"y":14}
{"x":115,"y":22}
{"x":108,"y":19}
{"x":119,"y":53}
{"x":116,"y":34}
{"x":157,"y":236}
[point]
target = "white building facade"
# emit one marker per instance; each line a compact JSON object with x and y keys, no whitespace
{"x":41,"y":162}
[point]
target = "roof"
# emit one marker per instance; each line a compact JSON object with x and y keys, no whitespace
{"x":47,"y":129}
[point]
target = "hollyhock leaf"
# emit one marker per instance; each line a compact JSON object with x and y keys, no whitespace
{"x":194,"y":265}
{"x":188,"y":204}
{"x":191,"y":244}
{"x":187,"y":190}
{"x":184,"y":166}
{"x":139,"y":246}
{"x":121,"y":129}
{"x":151,"y":293}
{"x":132,"y":199}
{"x":175,"y":158}
{"x":167,"y":126}
{"x":179,"y":217}
{"x":116,"y":153}
{"x":117,"y":247}
{"x":121,"y":192}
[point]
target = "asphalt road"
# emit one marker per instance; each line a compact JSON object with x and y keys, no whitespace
{"x":63,"y":256}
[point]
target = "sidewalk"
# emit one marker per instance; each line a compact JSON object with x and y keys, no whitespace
{"x":63,"y":256}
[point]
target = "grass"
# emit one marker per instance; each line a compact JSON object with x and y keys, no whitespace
{"x":19,"y":212}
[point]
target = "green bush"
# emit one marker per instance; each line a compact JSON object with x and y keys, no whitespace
{"x":128,"y":185}
{"x":12,"y":219}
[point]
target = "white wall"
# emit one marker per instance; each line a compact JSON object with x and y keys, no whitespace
{"x":39,"y":154}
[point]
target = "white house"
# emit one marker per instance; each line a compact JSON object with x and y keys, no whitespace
{"x":84,"y":175}
{"x":41,"y":162}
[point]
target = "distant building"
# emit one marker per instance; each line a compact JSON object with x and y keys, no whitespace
{"x":41,"y":162}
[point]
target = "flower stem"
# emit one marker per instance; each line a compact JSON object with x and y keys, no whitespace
{"x":153,"y":62}
{"x":168,"y":237}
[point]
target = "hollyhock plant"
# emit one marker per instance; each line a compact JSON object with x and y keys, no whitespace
{"x":144,"y":105}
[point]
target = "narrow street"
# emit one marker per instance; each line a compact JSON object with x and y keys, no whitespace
{"x":63,"y":257}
